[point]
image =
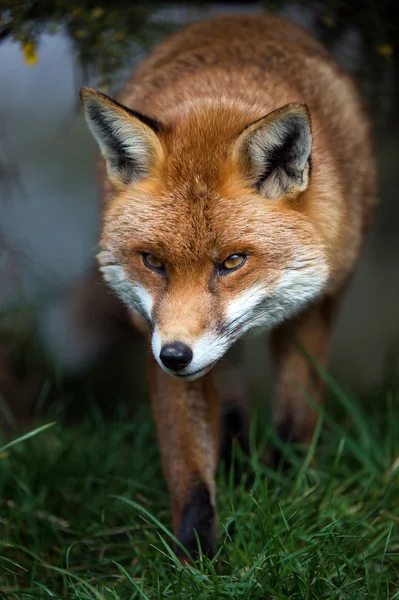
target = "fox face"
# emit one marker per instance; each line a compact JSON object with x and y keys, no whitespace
{"x":207,"y":234}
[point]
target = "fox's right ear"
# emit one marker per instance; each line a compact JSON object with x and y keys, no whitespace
{"x":128,"y":140}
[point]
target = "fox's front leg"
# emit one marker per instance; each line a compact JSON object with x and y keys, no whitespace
{"x":294,"y":417}
{"x":187,"y":421}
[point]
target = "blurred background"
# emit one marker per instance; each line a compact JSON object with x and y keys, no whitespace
{"x":63,"y":338}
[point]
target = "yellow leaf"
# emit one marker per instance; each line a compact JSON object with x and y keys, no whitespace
{"x":385,"y":50}
{"x":29,"y":52}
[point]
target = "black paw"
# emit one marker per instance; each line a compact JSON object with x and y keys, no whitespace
{"x":198,"y":524}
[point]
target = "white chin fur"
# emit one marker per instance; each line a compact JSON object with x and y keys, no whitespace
{"x":187,"y":377}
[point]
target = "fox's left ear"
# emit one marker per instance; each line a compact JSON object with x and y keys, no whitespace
{"x":128,"y":140}
{"x":274,"y":151}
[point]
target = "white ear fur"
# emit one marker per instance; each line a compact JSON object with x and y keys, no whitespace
{"x":275,"y":151}
{"x":127,"y":139}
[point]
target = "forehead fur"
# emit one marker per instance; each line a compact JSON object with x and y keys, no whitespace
{"x":199,"y":142}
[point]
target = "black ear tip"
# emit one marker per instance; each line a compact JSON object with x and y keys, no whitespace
{"x":83,"y":93}
{"x":87,"y":92}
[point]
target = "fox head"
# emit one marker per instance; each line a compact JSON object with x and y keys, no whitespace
{"x":207,"y":234}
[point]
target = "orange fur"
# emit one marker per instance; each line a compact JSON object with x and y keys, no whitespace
{"x":218,"y":97}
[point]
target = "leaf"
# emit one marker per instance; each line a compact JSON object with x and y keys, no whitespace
{"x":29,"y":52}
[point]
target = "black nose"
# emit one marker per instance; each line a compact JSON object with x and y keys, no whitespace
{"x":176,"y":356}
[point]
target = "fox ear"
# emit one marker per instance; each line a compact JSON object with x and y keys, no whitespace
{"x":274,"y":151}
{"x":128,"y":140}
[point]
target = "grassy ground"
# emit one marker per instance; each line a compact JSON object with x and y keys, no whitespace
{"x":84,"y":515}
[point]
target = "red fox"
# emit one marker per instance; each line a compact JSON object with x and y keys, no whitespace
{"x":240,"y":183}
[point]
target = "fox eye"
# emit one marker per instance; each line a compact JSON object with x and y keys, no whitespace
{"x":233,"y":262}
{"x":152,"y":262}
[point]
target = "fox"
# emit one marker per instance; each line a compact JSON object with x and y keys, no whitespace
{"x":238,"y":181}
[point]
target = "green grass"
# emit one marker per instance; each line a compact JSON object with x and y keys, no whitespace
{"x":84,"y":515}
